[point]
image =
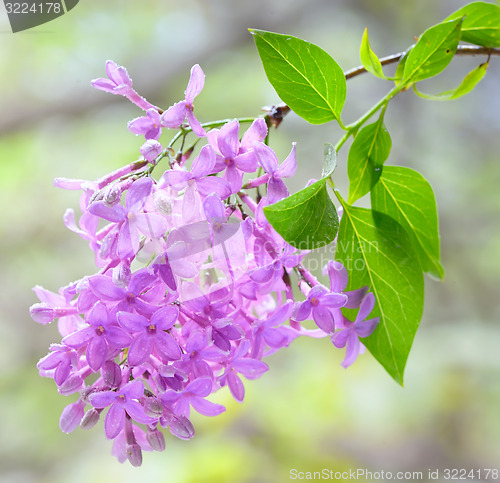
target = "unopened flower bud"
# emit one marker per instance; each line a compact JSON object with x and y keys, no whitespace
{"x":71,"y":385}
{"x":156,"y":439}
{"x":150,"y":150}
{"x":112,"y":195}
{"x":121,"y":274}
{"x":71,"y":416}
{"x":42,"y":313}
{"x":181,"y":427}
{"x":134,"y":454}
{"x":111,"y":373}
{"x":106,"y":244}
{"x":163,"y":204}
{"x":153,"y":406}
{"x":90,"y":418}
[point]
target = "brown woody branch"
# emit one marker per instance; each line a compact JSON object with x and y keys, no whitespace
{"x":392,"y":59}
{"x":275,"y":114}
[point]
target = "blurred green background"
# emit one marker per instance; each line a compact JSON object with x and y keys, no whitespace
{"x":307,"y":413}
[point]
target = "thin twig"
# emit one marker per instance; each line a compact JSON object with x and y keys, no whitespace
{"x":276,"y":114}
{"x":392,"y":59}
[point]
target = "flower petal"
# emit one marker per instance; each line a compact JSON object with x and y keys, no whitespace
{"x":195,"y":124}
{"x":167,"y":346}
{"x":204,"y":163}
{"x":256,"y":132}
{"x":205,"y":407}
{"x":213,"y":185}
{"x":266,"y":157}
{"x":251,"y":368}
{"x":262,"y":274}
{"x":247,"y":162}
{"x":97,"y":352}
{"x":338,"y":276}
{"x":195,"y":84}
{"x":323,"y":318}
{"x":200,"y":387}
{"x":140,"y":349}
{"x":354,"y":297}
{"x":132,"y":322}
{"x":353,"y":347}
{"x":140,"y":125}
{"x":276,"y":190}
{"x":366,"y":327}
{"x":151,"y":224}
{"x":214,"y":208}
{"x":115,"y":214}
{"x":136,"y":412}
{"x":141,"y":279}
{"x":289,"y":166}
{"x":80,"y":338}
{"x":117,"y":337}
{"x":103,"y":287}
{"x":339,"y":338}
{"x":102,"y":399}
{"x":137,"y":194}
{"x":228,"y":139}
{"x":334,"y":300}
{"x":133,"y":390}
{"x":234,"y":178}
{"x":98,"y":315}
{"x":115,"y":420}
{"x":275,"y":338}
{"x":302,"y":310}
{"x":165,"y":317}
{"x":177,"y":178}
{"x":366,"y":307}
{"x":174,"y":116}
{"x":236,"y":386}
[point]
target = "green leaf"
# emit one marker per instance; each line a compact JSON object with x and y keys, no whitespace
{"x":398,"y":75}
{"x":304,"y":76}
{"x":377,"y":253}
{"x":368,"y":152}
{"x":406,"y":196}
{"x":368,"y":58}
{"x":306,"y":220}
{"x":470,"y":81}
{"x":330,"y":162}
{"x":481,"y":25}
{"x":433,"y":51}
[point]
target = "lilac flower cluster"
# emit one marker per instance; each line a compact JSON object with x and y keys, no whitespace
{"x":194,"y":285}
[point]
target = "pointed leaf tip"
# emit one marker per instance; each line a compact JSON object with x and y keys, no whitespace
{"x":305,"y":77}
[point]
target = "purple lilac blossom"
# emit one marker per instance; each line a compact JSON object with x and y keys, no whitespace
{"x":276,"y":188}
{"x":175,"y":115}
{"x":119,"y":82}
{"x":348,"y":337}
{"x":320,"y":303}
{"x":151,"y":149}
{"x":131,"y":219}
{"x":121,"y":403}
{"x":233,"y":157}
{"x":193,"y":286}
{"x":148,"y":125}
{"x":152,"y":335}
{"x":101,"y":337}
